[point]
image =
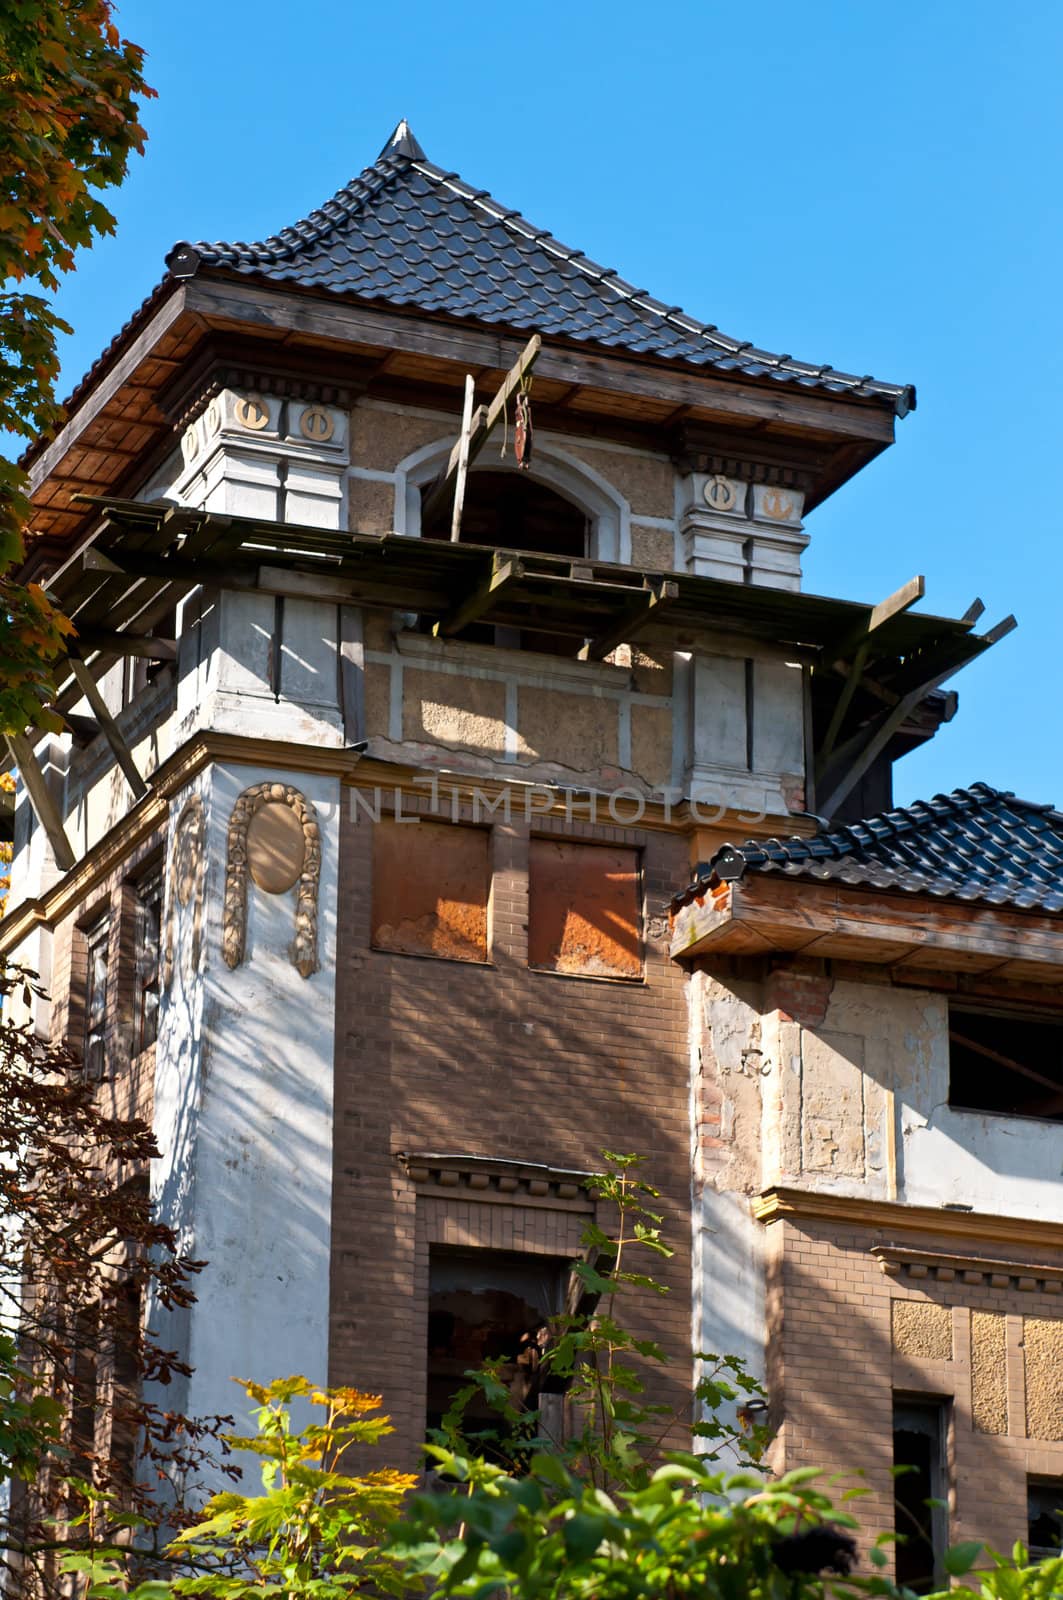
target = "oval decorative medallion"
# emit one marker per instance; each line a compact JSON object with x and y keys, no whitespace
{"x":316,"y":424}
{"x":276,"y":847}
{"x":252,"y":412}
{"x":720,"y":493}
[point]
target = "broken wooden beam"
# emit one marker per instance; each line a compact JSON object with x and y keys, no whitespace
{"x":40,"y":797}
{"x":858,"y":644}
{"x":127,"y":644}
{"x":504,"y":570}
{"x":645,"y":609}
{"x":108,"y":727}
{"x":877,"y":739}
{"x":480,"y":425}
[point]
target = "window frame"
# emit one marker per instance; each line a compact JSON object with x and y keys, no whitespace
{"x":149,"y":889}
{"x":964,"y":1007}
{"x":97,"y":935}
{"x":1036,"y":1482}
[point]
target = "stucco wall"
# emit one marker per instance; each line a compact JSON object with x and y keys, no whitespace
{"x":244,"y":1118}
{"x":844,"y":1087}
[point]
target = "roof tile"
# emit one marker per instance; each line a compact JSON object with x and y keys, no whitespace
{"x":979,"y":844}
{"x":373,"y":238}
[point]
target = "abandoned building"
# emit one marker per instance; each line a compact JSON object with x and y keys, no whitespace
{"x":393,"y":864}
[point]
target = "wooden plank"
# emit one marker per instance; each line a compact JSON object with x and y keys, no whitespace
{"x":1001,"y":630}
{"x":504,"y":570}
{"x":40,"y":797}
{"x":108,"y":727}
{"x":474,"y":347}
{"x":108,"y":386}
{"x":476,"y":427}
{"x":646,"y":609}
{"x":461,"y":471}
{"x":352,"y":673}
{"x":127,"y":644}
{"x":859,"y":645}
{"x":793,"y":914}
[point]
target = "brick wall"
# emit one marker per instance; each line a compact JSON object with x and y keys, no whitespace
{"x":493,"y":1061}
{"x":845,"y":1336}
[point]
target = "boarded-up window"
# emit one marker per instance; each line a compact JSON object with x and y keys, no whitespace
{"x":585,"y":909}
{"x":430,"y":888}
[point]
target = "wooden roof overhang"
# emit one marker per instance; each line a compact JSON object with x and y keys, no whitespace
{"x":138,"y":559}
{"x":123,"y":417}
{"x":901,"y":932}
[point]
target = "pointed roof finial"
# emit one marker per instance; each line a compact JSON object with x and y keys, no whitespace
{"x":402,"y":143}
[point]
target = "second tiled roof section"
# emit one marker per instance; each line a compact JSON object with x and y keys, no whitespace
{"x":977,"y":844}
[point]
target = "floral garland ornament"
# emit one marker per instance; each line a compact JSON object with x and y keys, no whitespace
{"x":187,"y":862}
{"x":273,"y":839}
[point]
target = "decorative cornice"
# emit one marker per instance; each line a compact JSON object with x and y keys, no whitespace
{"x":485,"y":1178}
{"x":802,"y":1205}
{"x":749,"y":457}
{"x":919,"y":1265}
{"x":244,"y":364}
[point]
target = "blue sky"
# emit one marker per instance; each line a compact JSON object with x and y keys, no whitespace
{"x":874,"y":186}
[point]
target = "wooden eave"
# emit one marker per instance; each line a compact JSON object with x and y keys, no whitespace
{"x":137,"y":561}
{"x":117,"y":431}
{"x":766,"y":913}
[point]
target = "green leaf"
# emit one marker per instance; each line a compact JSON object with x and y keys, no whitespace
{"x":583,"y":1534}
{"x":960,"y":1558}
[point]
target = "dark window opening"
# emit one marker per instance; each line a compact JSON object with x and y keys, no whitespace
{"x":509,"y":511}
{"x":1008,"y":1062}
{"x":920,"y":1516}
{"x":146,"y":959}
{"x":83,"y":1390}
{"x":97,"y":943}
{"x":141,"y":670}
{"x":126,"y":1366}
{"x":1044,"y":1500}
{"x":487,"y":1305}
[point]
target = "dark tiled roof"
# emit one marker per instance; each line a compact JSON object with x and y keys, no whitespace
{"x":973,"y":844}
{"x":410,"y":234}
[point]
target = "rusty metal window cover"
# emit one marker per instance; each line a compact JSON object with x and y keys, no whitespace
{"x":431,"y":884}
{"x":585,"y":909}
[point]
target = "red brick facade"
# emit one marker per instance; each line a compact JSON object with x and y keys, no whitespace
{"x":498,"y":1061}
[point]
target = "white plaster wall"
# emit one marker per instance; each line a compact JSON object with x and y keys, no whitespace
{"x":244,"y":1098}
{"x":1012,"y":1166}
{"x":1009,"y":1165}
{"x":729,"y":1281}
{"x":729,"y":1315}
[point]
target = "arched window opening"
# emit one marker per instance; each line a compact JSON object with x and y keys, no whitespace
{"x":510,"y":511}
{"x":514,"y":512}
